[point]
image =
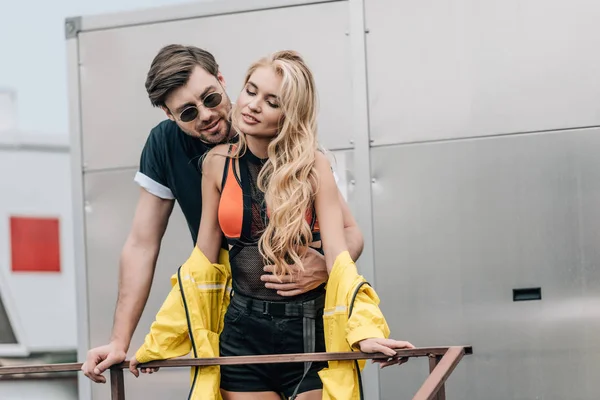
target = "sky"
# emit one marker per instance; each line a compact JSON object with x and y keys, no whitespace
{"x":33,"y":55}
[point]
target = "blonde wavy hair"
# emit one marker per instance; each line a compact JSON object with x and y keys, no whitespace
{"x":288,"y":178}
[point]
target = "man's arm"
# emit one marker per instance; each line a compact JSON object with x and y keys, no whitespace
{"x":137,"y":264}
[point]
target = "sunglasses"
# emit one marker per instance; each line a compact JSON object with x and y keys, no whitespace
{"x":210,"y":101}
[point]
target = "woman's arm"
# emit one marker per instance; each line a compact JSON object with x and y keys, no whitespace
{"x":331,"y":224}
{"x":354,"y":238}
{"x":329,"y":212}
{"x":209,"y":233}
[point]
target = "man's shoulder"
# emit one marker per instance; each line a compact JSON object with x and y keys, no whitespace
{"x":164,"y":131}
{"x":160,"y":144}
{"x":166,"y":138}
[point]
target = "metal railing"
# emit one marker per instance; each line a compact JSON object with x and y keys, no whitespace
{"x":442,"y":361}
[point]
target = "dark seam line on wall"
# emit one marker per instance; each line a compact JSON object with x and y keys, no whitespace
{"x":136,"y":167}
{"x":36,"y":148}
{"x":112,"y":169}
{"x":480,"y":137}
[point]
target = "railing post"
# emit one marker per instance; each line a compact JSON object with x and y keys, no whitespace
{"x":433,"y":362}
{"x":117,"y":384}
{"x":440,"y":373}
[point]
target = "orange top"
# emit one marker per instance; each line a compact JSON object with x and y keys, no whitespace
{"x":231,"y":205}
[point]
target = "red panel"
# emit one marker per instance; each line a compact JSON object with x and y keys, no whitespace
{"x":35,"y":244}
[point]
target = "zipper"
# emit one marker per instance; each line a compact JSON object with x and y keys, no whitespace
{"x":360,"y":386}
{"x":190,"y":331}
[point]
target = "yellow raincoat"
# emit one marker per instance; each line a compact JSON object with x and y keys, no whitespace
{"x":199,"y":299}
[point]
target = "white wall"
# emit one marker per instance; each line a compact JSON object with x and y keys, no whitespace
{"x":33,"y":54}
{"x":55,"y":389}
{"x":38,"y":183}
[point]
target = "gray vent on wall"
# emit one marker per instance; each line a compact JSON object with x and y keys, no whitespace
{"x":7,"y":335}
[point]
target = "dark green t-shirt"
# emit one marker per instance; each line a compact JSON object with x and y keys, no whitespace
{"x":170,"y":169}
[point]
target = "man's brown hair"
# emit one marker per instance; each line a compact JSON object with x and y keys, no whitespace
{"x":172,"y":67}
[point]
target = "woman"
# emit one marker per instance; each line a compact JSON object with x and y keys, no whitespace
{"x":273,"y":195}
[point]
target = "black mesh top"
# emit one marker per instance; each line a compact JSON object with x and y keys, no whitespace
{"x":246,"y":261}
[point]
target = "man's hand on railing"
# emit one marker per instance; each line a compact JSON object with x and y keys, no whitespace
{"x":387,"y":347}
{"x":133,"y":367}
{"x":100,"y":359}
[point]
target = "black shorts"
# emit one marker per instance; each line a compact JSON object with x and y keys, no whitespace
{"x":252,"y":333}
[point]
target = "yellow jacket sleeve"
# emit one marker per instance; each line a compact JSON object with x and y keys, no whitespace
{"x":367,"y":320}
{"x":169,"y":336}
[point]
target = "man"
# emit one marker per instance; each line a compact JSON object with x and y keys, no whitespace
{"x":186,"y":83}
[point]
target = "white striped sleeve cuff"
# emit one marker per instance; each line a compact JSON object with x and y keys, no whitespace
{"x":153,"y":187}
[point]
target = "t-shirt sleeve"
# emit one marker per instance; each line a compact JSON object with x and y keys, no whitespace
{"x":152,"y":174}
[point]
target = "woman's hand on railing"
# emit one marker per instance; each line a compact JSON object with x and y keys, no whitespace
{"x":133,"y":367}
{"x":387,"y":347}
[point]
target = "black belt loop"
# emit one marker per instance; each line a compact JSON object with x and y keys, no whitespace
{"x":249,"y":306}
{"x":275,"y":309}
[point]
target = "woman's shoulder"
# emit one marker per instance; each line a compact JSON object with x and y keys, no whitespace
{"x":322,"y":161}
{"x":220,"y":149}
{"x":214,"y":160}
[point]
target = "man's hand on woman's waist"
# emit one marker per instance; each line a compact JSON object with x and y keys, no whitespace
{"x":314,"y":274}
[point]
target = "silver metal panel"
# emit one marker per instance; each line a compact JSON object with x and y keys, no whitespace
{"x":110,"y":203}
{"x":360,"y":124}
{"x":458,"y":225}
{"x":117,"y":115}
{"x":84,"y":384}
{"x":468,"y":67}
{"x":202,"y":8}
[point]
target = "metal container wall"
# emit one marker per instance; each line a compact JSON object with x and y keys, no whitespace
{"x":485,"y":180}
{"x":476,"y":173}
{"x":471,"y":221}
{"x":470,"y":68}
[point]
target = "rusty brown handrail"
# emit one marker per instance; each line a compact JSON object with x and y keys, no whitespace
{"x":440,"y":369}
{"x":442,"y":361}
